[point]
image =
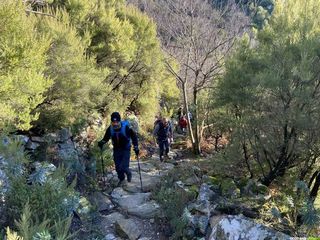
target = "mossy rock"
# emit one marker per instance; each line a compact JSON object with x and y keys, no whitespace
{"x":229,"y":188}
{"x":242,"y":183}
{"x":216,"y":180}
{"x":255,"y":188}
{"x":85,"y":209}
{"x":194,"y":189}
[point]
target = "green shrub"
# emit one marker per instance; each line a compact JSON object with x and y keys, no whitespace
{"x":102,"y":158}
{"x":173,"y":201}
{"x":294,"y":211}
{"x":29,"y":229}
{"x":54,"y":199}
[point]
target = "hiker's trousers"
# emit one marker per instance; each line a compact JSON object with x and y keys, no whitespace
{"x":121,"y":159}
{"x":163,"y":146}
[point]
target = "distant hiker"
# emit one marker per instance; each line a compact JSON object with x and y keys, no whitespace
{"x":164,"y":134}
{"x":183,"y":123}
{"x":120,"y":133}
{"x":190,"y":116}
{"x":179,"y":113}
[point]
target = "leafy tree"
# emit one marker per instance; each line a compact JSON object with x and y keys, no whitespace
{"x":77,"y":84}
{"x":271,"y":91}
{"x":22,"y":66}
{"x":124,"y":41}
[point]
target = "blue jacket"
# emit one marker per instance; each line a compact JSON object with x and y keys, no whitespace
{"x":121,"y":137}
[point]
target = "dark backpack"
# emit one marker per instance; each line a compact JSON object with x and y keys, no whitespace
{"x":163,"y":132}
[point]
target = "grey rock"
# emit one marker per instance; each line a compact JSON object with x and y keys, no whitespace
{"x":37,"y":139}
{"x":32,"y":145}
{"x":64,"y":135}
{"x":101,"y":201}
{"x":110,"y":236}
{"x":205,"y":193}
{"x":191,"y":181}
{"x":128,"y":229}
{"x":166,"y":166}
{"x":137,"y":204}
{"x":202,"y":224}
{"x":113,"y":217}
{"x":197,"y":221}
{"x":239,"y":227}
{"x":172,"y":154}
{"x":106,"y":223}
{"x":203,"y":207}
{"x":144,"y":166}
{"x":127,"y":200}
{"x":149,"y":182}
{"x":146,"y":210}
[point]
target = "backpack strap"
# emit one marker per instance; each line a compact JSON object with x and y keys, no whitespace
{"x":122,"y":132}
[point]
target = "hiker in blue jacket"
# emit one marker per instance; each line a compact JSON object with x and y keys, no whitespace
{"x":120,"y":134}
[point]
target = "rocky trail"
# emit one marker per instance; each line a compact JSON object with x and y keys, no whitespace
{"x":219,"y":208}
{"x":127,"y":212}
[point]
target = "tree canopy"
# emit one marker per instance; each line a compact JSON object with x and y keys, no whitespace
{"x":271,"y":90}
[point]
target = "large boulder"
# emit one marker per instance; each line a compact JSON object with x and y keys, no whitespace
{"x":239,"y":227}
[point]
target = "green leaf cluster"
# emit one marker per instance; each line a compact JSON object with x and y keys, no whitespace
{"x":70,"y":59}
{"x":22,"y":66}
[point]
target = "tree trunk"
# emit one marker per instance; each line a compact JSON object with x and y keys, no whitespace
{"x":282,"y":162}
{"x":314,"y":191}
{"x":246,"y":159}
{"x":314,"y":175}
{"x":196,"y":147}
{"x":185,"y":101}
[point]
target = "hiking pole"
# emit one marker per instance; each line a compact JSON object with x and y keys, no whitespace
{"x":139,"y":172}
{"x":102,"y":166}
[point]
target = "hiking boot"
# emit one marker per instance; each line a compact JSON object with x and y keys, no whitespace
{"x":168,"y":157}
{"x":129,"y":177}
{"x":120,"y":183}
{"x":161,"y":158}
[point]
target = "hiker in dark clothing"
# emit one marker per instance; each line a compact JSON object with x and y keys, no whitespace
{"x":157,"y":120}
{"x":120,"y":134}
{"x":179,"y":113}
{"x":163,"y":133}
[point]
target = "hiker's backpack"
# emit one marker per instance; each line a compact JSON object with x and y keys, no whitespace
{"x":133,"y":123}
{"x":163,"y":132}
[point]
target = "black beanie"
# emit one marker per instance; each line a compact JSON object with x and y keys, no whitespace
{"x":115,"y":116}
